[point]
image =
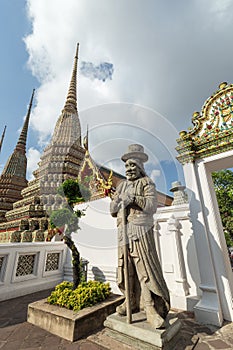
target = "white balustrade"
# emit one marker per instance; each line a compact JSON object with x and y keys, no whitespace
{"x":30,"y":267}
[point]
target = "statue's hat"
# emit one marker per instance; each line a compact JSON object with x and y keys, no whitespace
{"x":135,"y":151}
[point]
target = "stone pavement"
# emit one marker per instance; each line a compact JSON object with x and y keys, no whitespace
{"x":17,"y":334}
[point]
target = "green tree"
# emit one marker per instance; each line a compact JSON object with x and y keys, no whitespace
{"x":69,"y":219}
{"x":223,"y":184}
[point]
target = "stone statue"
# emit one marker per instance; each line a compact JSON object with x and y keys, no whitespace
{"x":147,"y":287}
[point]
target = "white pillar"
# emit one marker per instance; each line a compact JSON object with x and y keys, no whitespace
{"x":216,"y":239}
{"x":180,"y":278}
{"x":208,"y":309}
{"x":68,"y":267}
{"x":157,"y":240}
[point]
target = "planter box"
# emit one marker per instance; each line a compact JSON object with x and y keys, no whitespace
{"x":68,"y":324}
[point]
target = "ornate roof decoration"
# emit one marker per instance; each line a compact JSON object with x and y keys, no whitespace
{"x":2,"y":138}
{"x":100,"y":184}
{"x":213,"y":128}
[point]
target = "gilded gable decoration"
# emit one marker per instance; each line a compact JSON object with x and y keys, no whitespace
{"x":91,"y":176}
{"x":213,"y":128}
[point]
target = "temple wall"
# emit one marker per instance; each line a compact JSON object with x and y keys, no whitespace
{"x":30,"y":267}
{"x":97,"y":241}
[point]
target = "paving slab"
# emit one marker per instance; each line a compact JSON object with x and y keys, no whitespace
{"x":17,"y":334}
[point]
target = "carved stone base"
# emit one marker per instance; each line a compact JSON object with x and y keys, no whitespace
{"x":139,"y":333}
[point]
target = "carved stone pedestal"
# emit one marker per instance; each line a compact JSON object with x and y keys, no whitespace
{"x":139,"y":334}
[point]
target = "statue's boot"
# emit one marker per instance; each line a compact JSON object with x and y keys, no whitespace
{"x":155,"y":320}
{"x":121,"y":309}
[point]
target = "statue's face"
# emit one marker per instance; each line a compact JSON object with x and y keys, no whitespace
{"x":132,"y":171}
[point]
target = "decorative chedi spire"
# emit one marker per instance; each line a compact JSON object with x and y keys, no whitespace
{"x":71,"y":100}
{"x":13,"y":178}
{"x":62,"y":157}
{"x":67,"y":129}
{"x":21,"y":144}
{"x":2,"y":138}
{"x":17,"y":162}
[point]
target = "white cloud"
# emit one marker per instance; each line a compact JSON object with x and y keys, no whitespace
{"x":167,"y":56}
{"x":155,"y":174}
{"x":220,"y":8}
{"x":33,"y":157}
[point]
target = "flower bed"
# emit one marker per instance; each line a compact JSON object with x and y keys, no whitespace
{"x":69,"y":313}
{"x":85,"y":295}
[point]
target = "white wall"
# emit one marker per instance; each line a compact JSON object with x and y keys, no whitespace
{"x":97,"y":241}
{"x":30,"y":267}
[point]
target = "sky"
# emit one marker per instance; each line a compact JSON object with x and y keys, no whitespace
{"x":144,"y":68}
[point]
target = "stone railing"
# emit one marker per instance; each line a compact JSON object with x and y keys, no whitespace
{"x":30,"y":267}
{"x":177,"y":254}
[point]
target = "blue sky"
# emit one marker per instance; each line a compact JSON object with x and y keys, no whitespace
{"x":17,"y":81}
{"x":144,"y":68}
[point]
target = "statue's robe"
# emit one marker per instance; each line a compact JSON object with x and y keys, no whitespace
{"x":139,"y":219}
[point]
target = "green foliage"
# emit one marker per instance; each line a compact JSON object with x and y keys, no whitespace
{"x":86,"y":294}
{"x":65,"y":216}
{"x":223,"y":184}
{"x":74,"y":191}
{"x":228,"y":238}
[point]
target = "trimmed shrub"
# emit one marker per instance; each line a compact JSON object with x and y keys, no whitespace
{"x":86,"y":294}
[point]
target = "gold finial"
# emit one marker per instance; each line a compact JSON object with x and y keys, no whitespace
{"x":222,"y":85}
{"x":71,"y":100}
{"x":196,"y":114}
{"x":182,"y":134}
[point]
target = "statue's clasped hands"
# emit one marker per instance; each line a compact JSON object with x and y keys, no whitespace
{"x":126,"y":199}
